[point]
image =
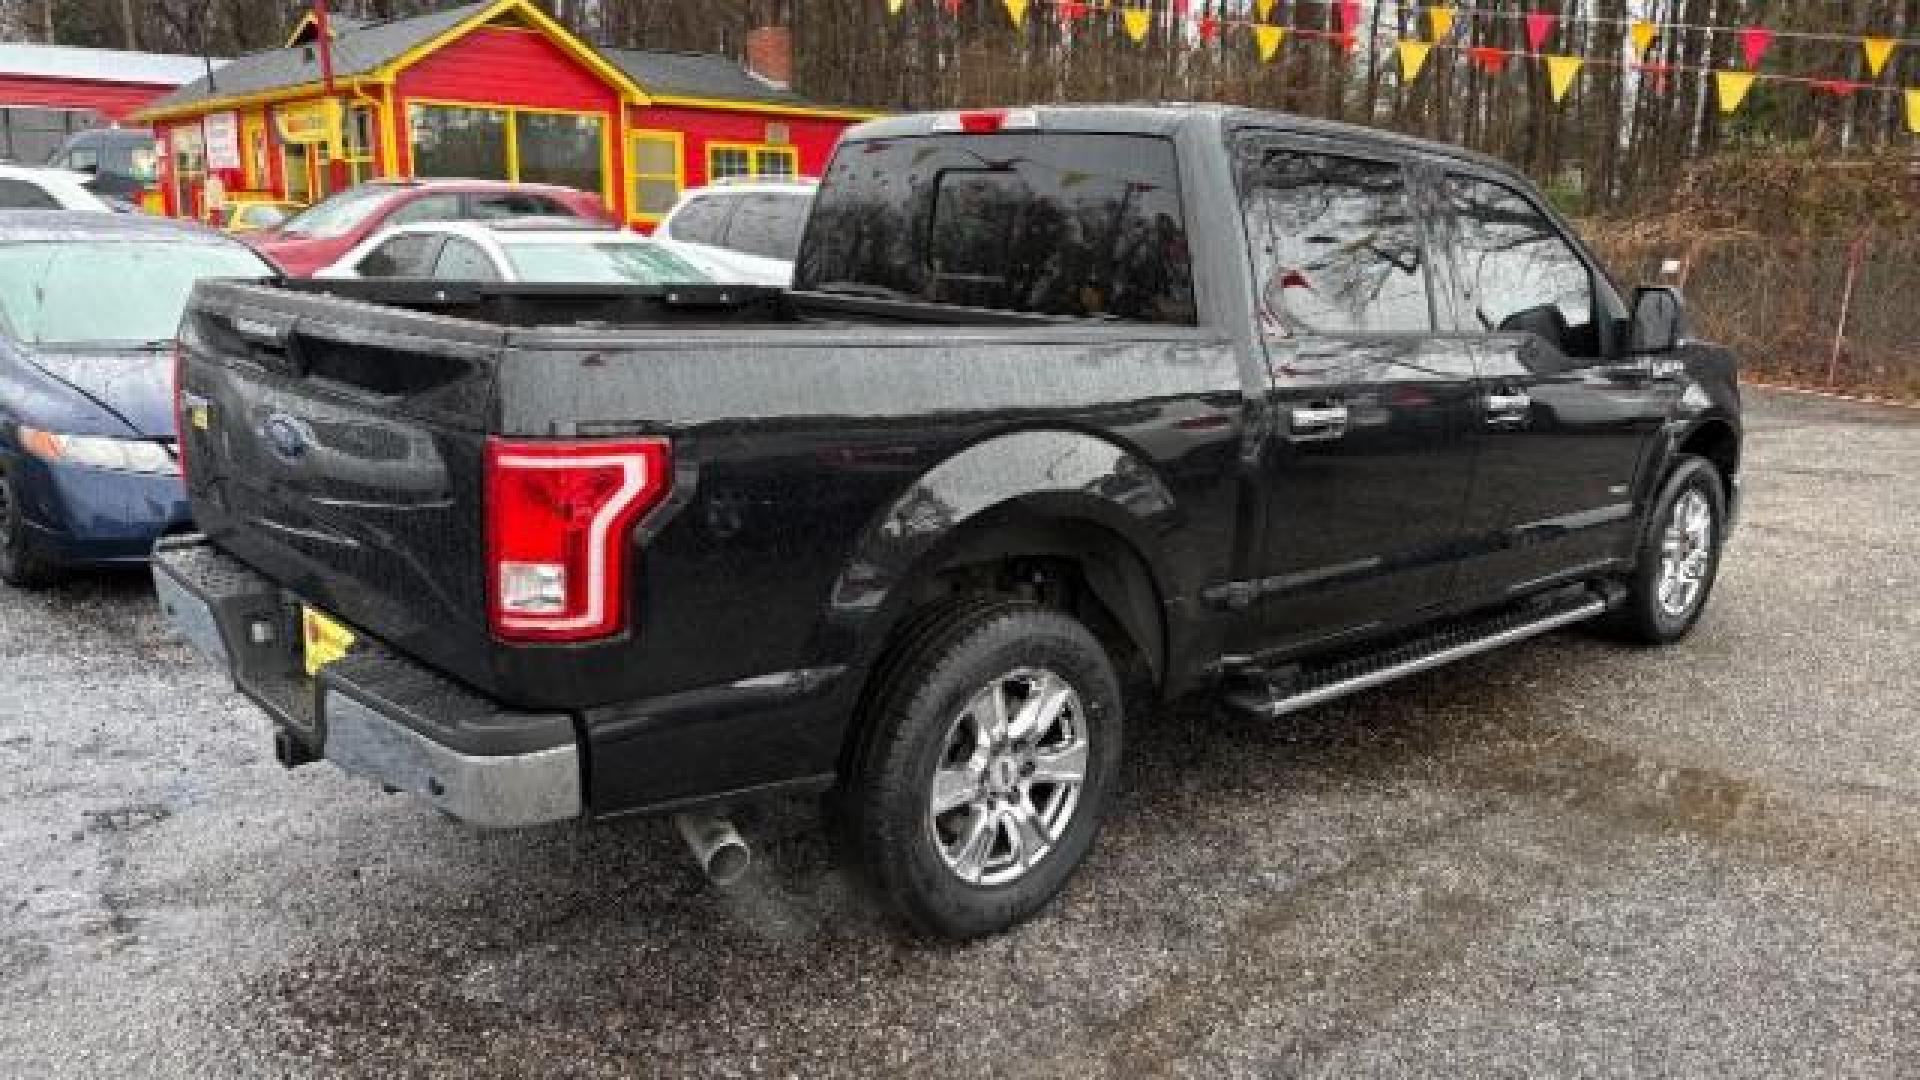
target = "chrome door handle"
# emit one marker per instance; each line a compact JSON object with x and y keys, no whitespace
{"x":1507,"y":410}
{"x":1319,"y":423}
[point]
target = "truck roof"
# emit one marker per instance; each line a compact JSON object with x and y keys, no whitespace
{"x":1164,"y":118}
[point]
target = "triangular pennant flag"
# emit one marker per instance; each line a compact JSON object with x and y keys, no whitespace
{"x":1561,"y":71}
{"x":954,"y":6}
{"x":1643,"y":34}
{"x":1017,"y":11}
{"x":1209,"y":29}
{"x":1754,"y":43}
{"x":1440,"y":19}
{"x":1349,"y":15}
{"x":1540,"y":26}
{"x":1913,"y":111}
{"x":1265,"y":8}
{"x":1413,"y":57}
{"x":1074,"y":10}
{"x":1138,"y":22}
{"x":894,"y":6}
{"x":1879,"y":51}
{"x":1489,"y":59}
{"x":1269,"y":39}
{"x":1733,"y":87}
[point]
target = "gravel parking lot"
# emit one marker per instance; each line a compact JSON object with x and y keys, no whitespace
{"x":1566,"y":858}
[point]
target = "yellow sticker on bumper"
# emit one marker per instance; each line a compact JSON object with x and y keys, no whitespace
{"x":322,"y":640}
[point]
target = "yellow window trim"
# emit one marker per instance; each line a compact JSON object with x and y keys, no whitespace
{"x":753,"y":151}
{"x":513,"y":131}
{"x":634,"y":175}
{"x":251,"y":124}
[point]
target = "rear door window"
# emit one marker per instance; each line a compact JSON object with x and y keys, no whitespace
{"x":462,"y":260}
{"x":20,"y":195}
{"x":1335,"y":246}
{"x":1048,"y":223}
{"x":702,"y":221}
{"x":408,"y":256}
{"x":768,"y":224}
{"x":512,"y":204}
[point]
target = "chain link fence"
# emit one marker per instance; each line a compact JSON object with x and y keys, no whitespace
{"x":1836,"y":313}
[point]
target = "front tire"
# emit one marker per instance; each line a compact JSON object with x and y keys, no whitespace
{"x":1679,"y":557}
{"x":20,"y":566}
{"x":994,"y":746}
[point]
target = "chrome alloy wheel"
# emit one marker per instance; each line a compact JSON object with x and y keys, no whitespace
{"x":1010,"y":774}
{"x":1685,"y":553}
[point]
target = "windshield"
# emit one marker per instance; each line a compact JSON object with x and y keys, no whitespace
{"x":1064,"y":224}
{"x":634,"y":262}
{"x":340,"y":214}
{"x":80,"y":291}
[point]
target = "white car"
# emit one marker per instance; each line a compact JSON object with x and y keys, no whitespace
{"x":532,"y":249}
{"x":26,"y":188}
{"x":747,"y":232}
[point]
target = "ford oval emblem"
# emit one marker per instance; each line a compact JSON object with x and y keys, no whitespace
{"x":286,"y":435}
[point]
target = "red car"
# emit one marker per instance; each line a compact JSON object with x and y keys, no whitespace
{"x":330,"y":228}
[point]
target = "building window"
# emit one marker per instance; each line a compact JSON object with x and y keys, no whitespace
{"x":728,"y":161}
{"x":357,"y":144}
{"x":657,"y":173}
{"x":452,"y":140}
{"x":521,"y":145}
{"x":29,"y":136}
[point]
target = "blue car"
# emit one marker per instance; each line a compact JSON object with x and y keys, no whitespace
{"x":89,"y":306}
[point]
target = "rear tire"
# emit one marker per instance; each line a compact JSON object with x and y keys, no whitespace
{"x":20,"y":566}
{"x":993,"y":743}
{"x":1679,"y":557}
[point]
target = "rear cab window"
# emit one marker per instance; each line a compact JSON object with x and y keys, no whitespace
{"x":1069,"y":224}
{"x":702,"y":221}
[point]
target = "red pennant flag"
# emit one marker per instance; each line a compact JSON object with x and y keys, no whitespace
{"x":1074,"y":10}
{"x":1540,"y":26}
{"x":1344,"y":42}
{"x":1209,"y":29}
{"x":1754,"y":43}
{"x":1349,"y":16}
{"x":1180,"y":8}
{"x":1659,"y":73}
{"x":954,"y":6}
{"x":1489,"y":59}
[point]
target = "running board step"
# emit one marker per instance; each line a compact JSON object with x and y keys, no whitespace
{"x":1275,"y":694}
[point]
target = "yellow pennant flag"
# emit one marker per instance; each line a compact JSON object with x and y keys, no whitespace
{"x":1643,"y":34}
{"x":1017,"y":10}
{"x":1269,"y":39}
{"x":894,"y":6}
{"x":1265,"y":8}
{"x":1413,"y":57}
{"x":1561,"y":71}
{"x":1913,"y":111}
{"x":1879,"y":51}
{"x":1138,"y":22}
{"x":1441,"y":19}
{"x":1733,"y":87}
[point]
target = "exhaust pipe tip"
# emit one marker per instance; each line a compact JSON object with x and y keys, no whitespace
{"x":716,"y":846}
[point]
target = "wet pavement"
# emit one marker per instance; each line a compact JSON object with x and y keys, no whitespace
{"x":1566,"y":858}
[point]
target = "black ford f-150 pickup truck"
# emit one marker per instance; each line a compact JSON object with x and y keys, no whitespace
{"x":1068,"y":409}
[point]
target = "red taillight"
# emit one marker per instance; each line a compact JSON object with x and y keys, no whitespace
{"x":559,"y":518}
{"x":983,"y":121}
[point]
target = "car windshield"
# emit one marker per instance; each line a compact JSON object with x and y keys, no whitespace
{"x":339,"y":214}
{"x":634,"y":262}
{"x":75,"y":292}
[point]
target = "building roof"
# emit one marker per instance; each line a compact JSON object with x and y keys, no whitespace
{"x":663,"y":73}
{"x":100,"y":65}
{"x":358,"y":50}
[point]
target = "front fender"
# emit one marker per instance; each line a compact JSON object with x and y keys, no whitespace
{"x":1056,"y":475}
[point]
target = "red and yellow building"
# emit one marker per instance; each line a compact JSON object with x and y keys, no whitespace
{"x":494,"y":90}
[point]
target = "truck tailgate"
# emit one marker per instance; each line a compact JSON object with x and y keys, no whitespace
{"x":337,"y":448}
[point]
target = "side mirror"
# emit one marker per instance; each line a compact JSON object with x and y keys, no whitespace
{"x":1659,"y":322}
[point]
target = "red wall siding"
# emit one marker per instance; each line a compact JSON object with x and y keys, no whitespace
{"x":114,"y":100}
{"x":813,"y":137}
{"x":511,"y":67}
